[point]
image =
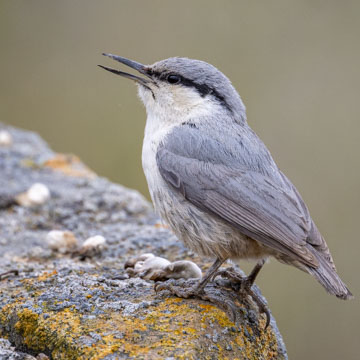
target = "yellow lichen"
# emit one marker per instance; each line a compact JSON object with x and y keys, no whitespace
{"x":171,"y":328}
{"x":46,"y":275}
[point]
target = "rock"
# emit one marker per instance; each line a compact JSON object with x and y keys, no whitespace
{"x":66,"y":308}
{"x":92,"y":246}
{"x":61,"y":241}
{"x":37,"y":194}
{"x":7,"y":352}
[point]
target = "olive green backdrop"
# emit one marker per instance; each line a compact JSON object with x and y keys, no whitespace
{"x":296,"y":66}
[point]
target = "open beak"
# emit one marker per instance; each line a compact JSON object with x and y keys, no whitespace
{"x":134,"y":65}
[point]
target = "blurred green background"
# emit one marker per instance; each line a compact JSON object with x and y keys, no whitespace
{"x":296,"y":66}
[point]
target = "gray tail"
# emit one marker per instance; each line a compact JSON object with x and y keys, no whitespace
{"x":329,"y":279}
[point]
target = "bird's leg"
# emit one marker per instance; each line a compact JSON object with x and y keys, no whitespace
{"x":250,"y":279}
{"x":209,"y":274}
{"x":189,"y":288}
{"x":243,"y":284}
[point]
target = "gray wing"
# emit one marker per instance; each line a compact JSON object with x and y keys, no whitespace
{"x":269,"y":211}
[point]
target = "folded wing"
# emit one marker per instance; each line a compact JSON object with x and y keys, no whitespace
{"x":270,"y":213}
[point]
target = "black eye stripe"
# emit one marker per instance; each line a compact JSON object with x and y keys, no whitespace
{"x":203,"y":89}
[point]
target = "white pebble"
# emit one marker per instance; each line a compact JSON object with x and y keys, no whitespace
{"x":147,"y":266}
{"x":131,"y":263}
{"x":183,"y":269}
{"x":5,"y":138}
{"x":92,"y":246}
{"x":94,"y":242}
{"x":61,"y":241}
{"x":155,"y":263}
{"x":37,"y":194}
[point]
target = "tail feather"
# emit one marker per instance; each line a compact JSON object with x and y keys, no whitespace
{"x":329,"y":279}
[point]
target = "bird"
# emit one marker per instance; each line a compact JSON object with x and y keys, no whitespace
{"x":214,"y":182}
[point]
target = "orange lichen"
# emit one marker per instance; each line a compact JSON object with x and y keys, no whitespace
{"x":69,"y":165}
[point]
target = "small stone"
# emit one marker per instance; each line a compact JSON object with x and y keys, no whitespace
{"x":37,"y":194}
{"x":42,"y":356}
{"x":5,"y":138}
{"x":61,"y":241}
{"x":94,"y":241}
{"x":146,"y":266}
{"x":183,"y":269}
{"x":131,"y":263}
{"x":151,"y":267}
{"x":92,"y":246}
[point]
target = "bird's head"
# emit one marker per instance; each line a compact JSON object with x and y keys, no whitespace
{"x":182,"y":87}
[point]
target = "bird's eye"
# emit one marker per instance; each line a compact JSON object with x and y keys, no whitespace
{"x":173,"y":79}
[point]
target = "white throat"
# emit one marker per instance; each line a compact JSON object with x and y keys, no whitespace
{"x":174,"y":106}
{"x":168,"y":110}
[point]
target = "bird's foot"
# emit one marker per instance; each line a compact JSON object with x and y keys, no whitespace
{"x":180,"y":288}
{"x":243,"y":286}
{"x":220,"y":294}
{"x":237,"y":281}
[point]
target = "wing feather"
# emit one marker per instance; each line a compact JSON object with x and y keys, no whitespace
{"x":250,"y":201}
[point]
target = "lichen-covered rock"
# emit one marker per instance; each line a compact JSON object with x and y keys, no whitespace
{"x":67,"y":308}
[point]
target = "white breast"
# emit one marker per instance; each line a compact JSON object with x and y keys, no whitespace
{"x":154,"y":134}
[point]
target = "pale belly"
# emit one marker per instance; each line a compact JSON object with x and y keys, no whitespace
{"x":203,"y":233}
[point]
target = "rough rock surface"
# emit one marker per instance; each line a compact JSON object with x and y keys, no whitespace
{"x":7,"y":352}
{"x":67,"y":308}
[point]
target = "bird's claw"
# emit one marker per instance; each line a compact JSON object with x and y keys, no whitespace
{"x":182,"y":289}
{"x":229,"y":273}
{"x":263,"y":308}
{"x":243,"y":285}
